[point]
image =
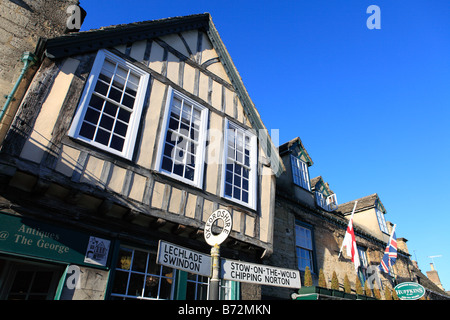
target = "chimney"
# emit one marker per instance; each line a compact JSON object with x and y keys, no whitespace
{"x":401,"y":244}
{"x":434,"y":277}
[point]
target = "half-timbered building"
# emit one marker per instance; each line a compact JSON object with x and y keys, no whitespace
{"x":128,"y":135}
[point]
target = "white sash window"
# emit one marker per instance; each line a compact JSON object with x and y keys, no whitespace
{"x":111,"y":105}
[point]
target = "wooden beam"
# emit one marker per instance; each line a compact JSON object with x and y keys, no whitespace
{"x":74,"y":196}
{"x":158,"y":223}
{"x":41,"y":187}
{"x":130,"y":215}
{"x":105,"y":207}
{"x":196,"y":234}
{"x":178,"y":228}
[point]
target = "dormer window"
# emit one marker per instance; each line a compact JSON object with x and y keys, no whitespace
{"x":332,"y":202}
{"x":381,"y":221}
{"x":329,"y":203}
{"x":300,"y":173}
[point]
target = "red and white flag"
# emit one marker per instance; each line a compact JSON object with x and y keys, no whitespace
{"x":350,"y":243}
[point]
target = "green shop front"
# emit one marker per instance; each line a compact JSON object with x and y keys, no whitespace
{"x":42,"y":261}
{"x":46,"y":260}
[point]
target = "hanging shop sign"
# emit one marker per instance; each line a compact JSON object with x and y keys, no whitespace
{"x":29,"y":237}
{"x":174,"y":256}
{"x":259,"y":274}
{"x":409,"y":291}
{"x":216,"y":239}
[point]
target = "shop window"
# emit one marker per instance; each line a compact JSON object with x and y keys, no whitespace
{"x":196,"y":287}
{"x":23,"y":281}
{"x":137,"y":276}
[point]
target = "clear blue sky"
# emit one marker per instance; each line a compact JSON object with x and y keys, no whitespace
{"x":372,"y":107}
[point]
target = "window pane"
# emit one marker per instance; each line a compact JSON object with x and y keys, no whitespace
{"x":165,"y":288}
{"x":136,"y":284}
{"x":151,"y":286}
{"x":117,"y":143}
{"x":128,"y":101}
{"x":153,"y":268}
{"x":115,"y":94}
{"x":87,"y":130}
{"x":139,"y":261}
{"x":228,"y":177}
{"x":102,"y":136}
{"x":96,"y":102}
{"x":101,"y":88}
{"x":167,"y":164}
{"x":228,"y":189}
{"x":120,"y":282}
{"x":124,"y":261}
{"x":92,"y":116}
{"x":124,"y":115}
{"x":245,"y":196}
{"x":106,"y":122}
{"x":120,"y":128}
{"x":110,"y":109}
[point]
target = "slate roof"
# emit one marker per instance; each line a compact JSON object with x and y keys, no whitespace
{"x":287,"y":146}
{"x":317,"y":180}
{"x":112,"y":36}
{"x":364,"y":203}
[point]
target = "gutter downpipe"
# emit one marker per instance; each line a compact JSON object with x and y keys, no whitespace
{"x":28,"y":59}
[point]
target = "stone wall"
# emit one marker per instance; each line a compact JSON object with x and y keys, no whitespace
{"x":22,"y":23}
{"x":328,"y":233}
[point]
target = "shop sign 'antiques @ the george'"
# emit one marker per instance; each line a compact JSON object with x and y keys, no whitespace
{"x":409,"y":291}
{"x":33,"y":238}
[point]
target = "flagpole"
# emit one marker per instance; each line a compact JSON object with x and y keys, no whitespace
{"x":351,"y":219}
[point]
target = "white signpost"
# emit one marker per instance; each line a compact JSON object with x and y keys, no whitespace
{"x":171,"y":255}
{"x":212,"y":266}
{"x":260,"y":274}
{"x":214,"y":240}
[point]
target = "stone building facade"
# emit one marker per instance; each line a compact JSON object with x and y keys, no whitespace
{"x":310,"y":226}
{"x":22,"y":24}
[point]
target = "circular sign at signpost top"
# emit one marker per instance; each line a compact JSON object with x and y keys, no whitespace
{"x":216,"y":239}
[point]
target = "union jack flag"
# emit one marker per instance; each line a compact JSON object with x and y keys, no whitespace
{"x":390,"y":253}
